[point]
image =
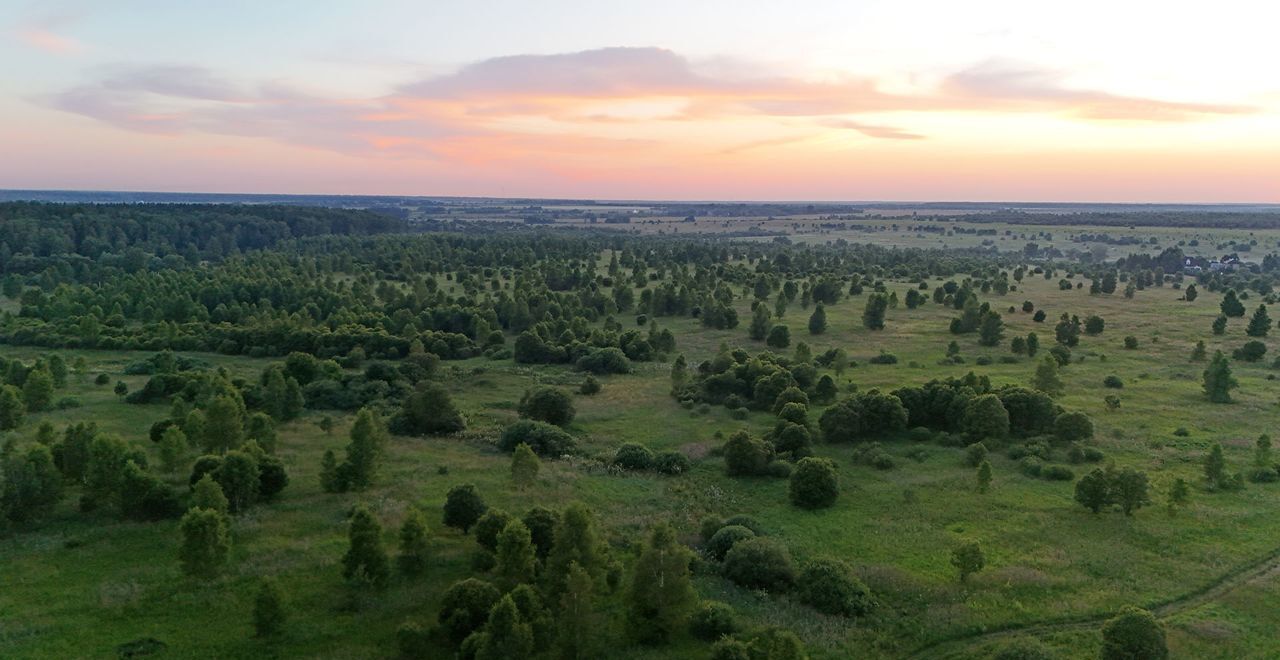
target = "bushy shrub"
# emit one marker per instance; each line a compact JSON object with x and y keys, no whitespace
{"x":830,"y":587}
{"x":760,"y":563}
{"x":713,"y":620}
{"x":547,"y":404}
{"x":605,"y":361}
{"x":1113,"y":382}
{"x":633,"y":456}
{"x":1057,"y":473}
{"x":671,"y":462}
{"x":543,"y":438}
{"x":815,"y":484}
{"x":725,"y":538}
{"x":748,"y":522}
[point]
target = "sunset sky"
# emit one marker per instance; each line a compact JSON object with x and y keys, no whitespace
{"x":810,"y":100}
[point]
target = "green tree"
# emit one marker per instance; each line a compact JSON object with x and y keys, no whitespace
{"x":506,"y":635}
{"x":365,"y":561}
{"x":463,"y":506}
{"x":516,"y":558}
{"x":524,"y":466}
{"x":1215,"y":467}
{"x":874,"y":312}
{"x":207,"y":494}
{"x":779,"y":337}
{"x":579,"y":624}
{"x":429,"y":410}
{"x":12,"y":408}
{"x":173,"y":447}
{"x":814,"y":484}
{"x":1129,"y":488}
{"x":818,"y":320}
{"x":30,"y":484}
{"x":984,"y":476}
{"x":830,"y":586}
{"x":1046,"y":378}
{"x":1218,"y":381}
{"x":661,"y":595}
{"x":1231,"y":305}
{"x":547,"y":404}
{"x":205,"y":543}
{"x":1260,"y":324}
{"x":414,"y":547}
{"x":238,"y":475}
{"x":968,"y":559}
{"x":1133,"y":634}
{"x":1198,"y":353}
{"x":1093,"y":491}
{"x":37,"y":391}
{"x":759,"y":328}
{"x":990,"y":329}
{"x":269,"y":613}
{"x":368,"y":437}
{"x":1179,"y":496}
{"x":575,"y":542}
{"x":224,"y":425}
{"x":985,"y":417}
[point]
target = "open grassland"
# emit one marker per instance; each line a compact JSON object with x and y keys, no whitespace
{"x":79,"y":584}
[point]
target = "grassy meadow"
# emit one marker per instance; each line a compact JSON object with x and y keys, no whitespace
{"x":79,"y":585}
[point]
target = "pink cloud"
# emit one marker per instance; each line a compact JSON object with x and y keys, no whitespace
{"x":48,"y":41}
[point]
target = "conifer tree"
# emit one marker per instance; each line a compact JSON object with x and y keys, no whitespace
{"x":414,"y":549}
{"x":516,"y":557}
{"x":661,"y":595}
{"x":366,"y":560}
{"x":818,"y":320}
{"x":575,"y":541}
{"x":1046,"y":378}
{"x":368,"y":436}
{"x":1218,"y":381}
{"x":1260,"y":324}
{"x":524,"y":466}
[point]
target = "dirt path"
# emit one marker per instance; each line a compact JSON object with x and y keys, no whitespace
{"x":1265,"y":568}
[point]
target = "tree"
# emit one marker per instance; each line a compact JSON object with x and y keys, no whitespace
{"x":1072,"y":427}
{"x":516,"y":559}
{"x":463,"y":506}
{"x":759,"y":328}
{"x":1219,"y":325}
{"x":744,"y":455}
{"x":579,"y":623}
{"x":1191,"y":293}
{"x":207,"y":494}
{"x":575,"y":542}
{"x":121,"y":388}
{"x":1260,"y":324}
{"x":1179,"y":496}
{"x":968,"y":559}
{"x":985,"y":417}
{"x":990,"y":329}
{"x":414,"y":548}
{"x":1133,"y":634}
{"x":661,"y":595}
{"x":12,"y":408}
{"x":1231,"y":305}
{"x":365,"y":561}
{"x":874,"y":312}
{"x":173,"y":446}
{"x":1046,"y":378}
{"x":240,"y":480}
{"x":1198,"y":353}
{"x":547,"y":404}
{"x":524,"y":466}
{"x":37,"y":391}
{"x":368,"y":437}
{"x":814,"y":484}
{"x":1094,"y":325}
{"x":830,"y":586}
{"x":30,"y":484}
{"x":268,"y":609}
{"x":1218,"y":381}
{"x":429,"y":410}
{"x":1093,"y":491}
{"x":779,"y":337}
{"x":1129,"y":489}
{"x":506,"y":635}
{"x":1215,"y":467}
{"x":205,"y":542}
{"x":465,"y":607}
{"x":224,"y":425}
{"x":818,"y":320}
{"x":984,"y":476}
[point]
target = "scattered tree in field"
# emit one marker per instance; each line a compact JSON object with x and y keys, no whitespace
{"x":968,"y":559}
{"x":1093,"y":491}
{"x":1191,"y":293}
{"x":990,"y":329}
{"x":779,"y":337}
{"x":1179,"y":496}
{"x":414,"y":548}
{"x":1094,"y":325}
{"x":760,"y":563}
{"x":1215,"y":468}
{"x":547,"y":404}
{"x":1129,"y":488}
{"x":661,"y":595}
{"x":818,"y":320}
{"x":744,"y":455}
{"x":1260,"y":324}
{"x":524,"y":466}
{"x":121,"y":388}
{"x":365,"y":562}
{"x":224,"y":425}
{"x":760,"y":318}
{"x":30,"y":484}
{"x":1218,"y":381}
{"x":207,"y":494}
{"x":574,"y":542}
{"x":1133,"y":634}
{"x":984,"y":476}
{"x":1046,"y":378}
{"x":815,"y":484}
{"x":37,"y":391}
{"x":874,"y":312}
{"x":1072,"y":427}
{"x":268,"y":609}
{"x":429,"y":410}
{"x":465,"y":607}
{"x":985,"y":417}
{"x":1219,"y":326}
{"x":205,"y":543}
{"x":368,"y":437}
{"x":240,"y":479}
{"x":463,"y":506}
{"x":1199,"y":352}
{"x":1231,"y":305}
{"x":173,"y":447}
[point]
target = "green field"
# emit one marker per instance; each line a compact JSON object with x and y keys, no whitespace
{"x":79,"y":585}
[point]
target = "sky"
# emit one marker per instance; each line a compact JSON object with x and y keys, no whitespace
{"x":984,"y":100}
